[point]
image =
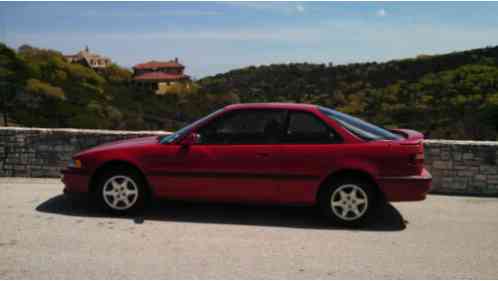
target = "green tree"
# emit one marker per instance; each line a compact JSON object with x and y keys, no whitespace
{"x":13,"y":75}
{"x":39,"y":97}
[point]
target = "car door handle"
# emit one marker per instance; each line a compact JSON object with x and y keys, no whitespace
{"x":262,"y":154}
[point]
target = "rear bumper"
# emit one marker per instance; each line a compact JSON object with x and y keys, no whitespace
{"x":408,"y":188}
{"x":75,"y":181}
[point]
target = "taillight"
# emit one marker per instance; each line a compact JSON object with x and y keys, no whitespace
{"x":417,"y":160}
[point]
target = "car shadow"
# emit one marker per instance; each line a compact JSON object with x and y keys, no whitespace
{"x":386,"y":218}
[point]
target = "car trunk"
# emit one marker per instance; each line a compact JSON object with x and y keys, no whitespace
{"x":412,"y":146}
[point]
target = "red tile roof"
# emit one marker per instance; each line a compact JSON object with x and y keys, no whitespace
{"x":160,"y":76}
{"x":159,"y":64}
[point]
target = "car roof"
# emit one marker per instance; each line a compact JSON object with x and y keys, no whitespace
{"x":271,"y":105}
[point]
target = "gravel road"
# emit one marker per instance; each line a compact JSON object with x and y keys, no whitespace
{"x":45,"y":235}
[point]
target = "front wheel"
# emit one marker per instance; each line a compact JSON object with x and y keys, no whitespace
{"x":121,"y":191}
{"x":348,"y":202}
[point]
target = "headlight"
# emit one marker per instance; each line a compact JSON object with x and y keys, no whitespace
{"x":74,"y":164}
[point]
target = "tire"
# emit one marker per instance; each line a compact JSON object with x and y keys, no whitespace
{"x":348,"y":202}
{"x":121,"y":191}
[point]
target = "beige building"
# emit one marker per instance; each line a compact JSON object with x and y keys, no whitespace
{"x":88,"y":59}
{"x":161,"y":77}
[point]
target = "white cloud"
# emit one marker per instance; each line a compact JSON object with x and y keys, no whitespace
{"x":300,"y":8}
{"x":171,"y":12}
{"x":288,"y":34}
{"x":283,"y":34}
{"x":381,"y":13}
{"x":190,"y":13}
{"x":284,"y":7}
{"x":257,"y":4}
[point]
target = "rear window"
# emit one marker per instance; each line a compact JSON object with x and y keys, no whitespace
{"x":359,"y":127}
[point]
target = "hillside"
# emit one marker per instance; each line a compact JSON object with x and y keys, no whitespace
{"x":452,"y":96}
{"x":446,"y":96}
{"x":41,"y":89}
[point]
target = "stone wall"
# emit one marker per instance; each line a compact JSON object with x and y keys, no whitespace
{"x":463,"y":167}
{"x":458,"y":167}
{"x":34,"y":152}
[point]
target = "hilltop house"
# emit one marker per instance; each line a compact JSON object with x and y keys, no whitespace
{"x":161,"y":77}
{"x":94,"y":61}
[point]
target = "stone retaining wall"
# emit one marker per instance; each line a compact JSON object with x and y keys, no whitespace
{"x":35,"y":152}
{"x":458,"y":167}
{"x":463,"y":167}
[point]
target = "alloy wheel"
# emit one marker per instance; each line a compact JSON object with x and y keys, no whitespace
{"x":120,"y":192}
{"x":349,"y":202}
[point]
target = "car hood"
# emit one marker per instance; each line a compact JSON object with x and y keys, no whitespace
{"x":128,"y":143}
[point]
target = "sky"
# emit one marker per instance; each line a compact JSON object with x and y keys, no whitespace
{"x":215,"y":37}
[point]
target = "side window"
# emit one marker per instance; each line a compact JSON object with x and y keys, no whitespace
{"x":306,"y":128}
{"x":245,"y":127}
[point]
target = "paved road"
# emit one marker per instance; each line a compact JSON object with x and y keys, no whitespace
{"x":45,"y":235}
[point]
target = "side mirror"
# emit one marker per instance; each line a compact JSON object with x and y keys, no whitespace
{"x":190,"y":140}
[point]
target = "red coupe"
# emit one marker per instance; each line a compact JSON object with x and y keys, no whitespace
{"x":279,"y":153}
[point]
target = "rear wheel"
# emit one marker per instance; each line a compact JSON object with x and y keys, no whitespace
{"x":121,"y":191}
{"x":348,"y":202}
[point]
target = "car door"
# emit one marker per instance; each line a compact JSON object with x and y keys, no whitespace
{"x":309,"y":149}
{"x":235,"y":159}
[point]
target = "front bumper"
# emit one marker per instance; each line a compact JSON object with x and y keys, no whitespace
{"x":75,"y":181}
{"x":408,"y":188}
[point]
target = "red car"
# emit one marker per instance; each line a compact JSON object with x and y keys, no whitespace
{"x":280,"y":153}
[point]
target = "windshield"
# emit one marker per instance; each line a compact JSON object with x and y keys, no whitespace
{"x":171,"y":138}
{"x":359,"y":127}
